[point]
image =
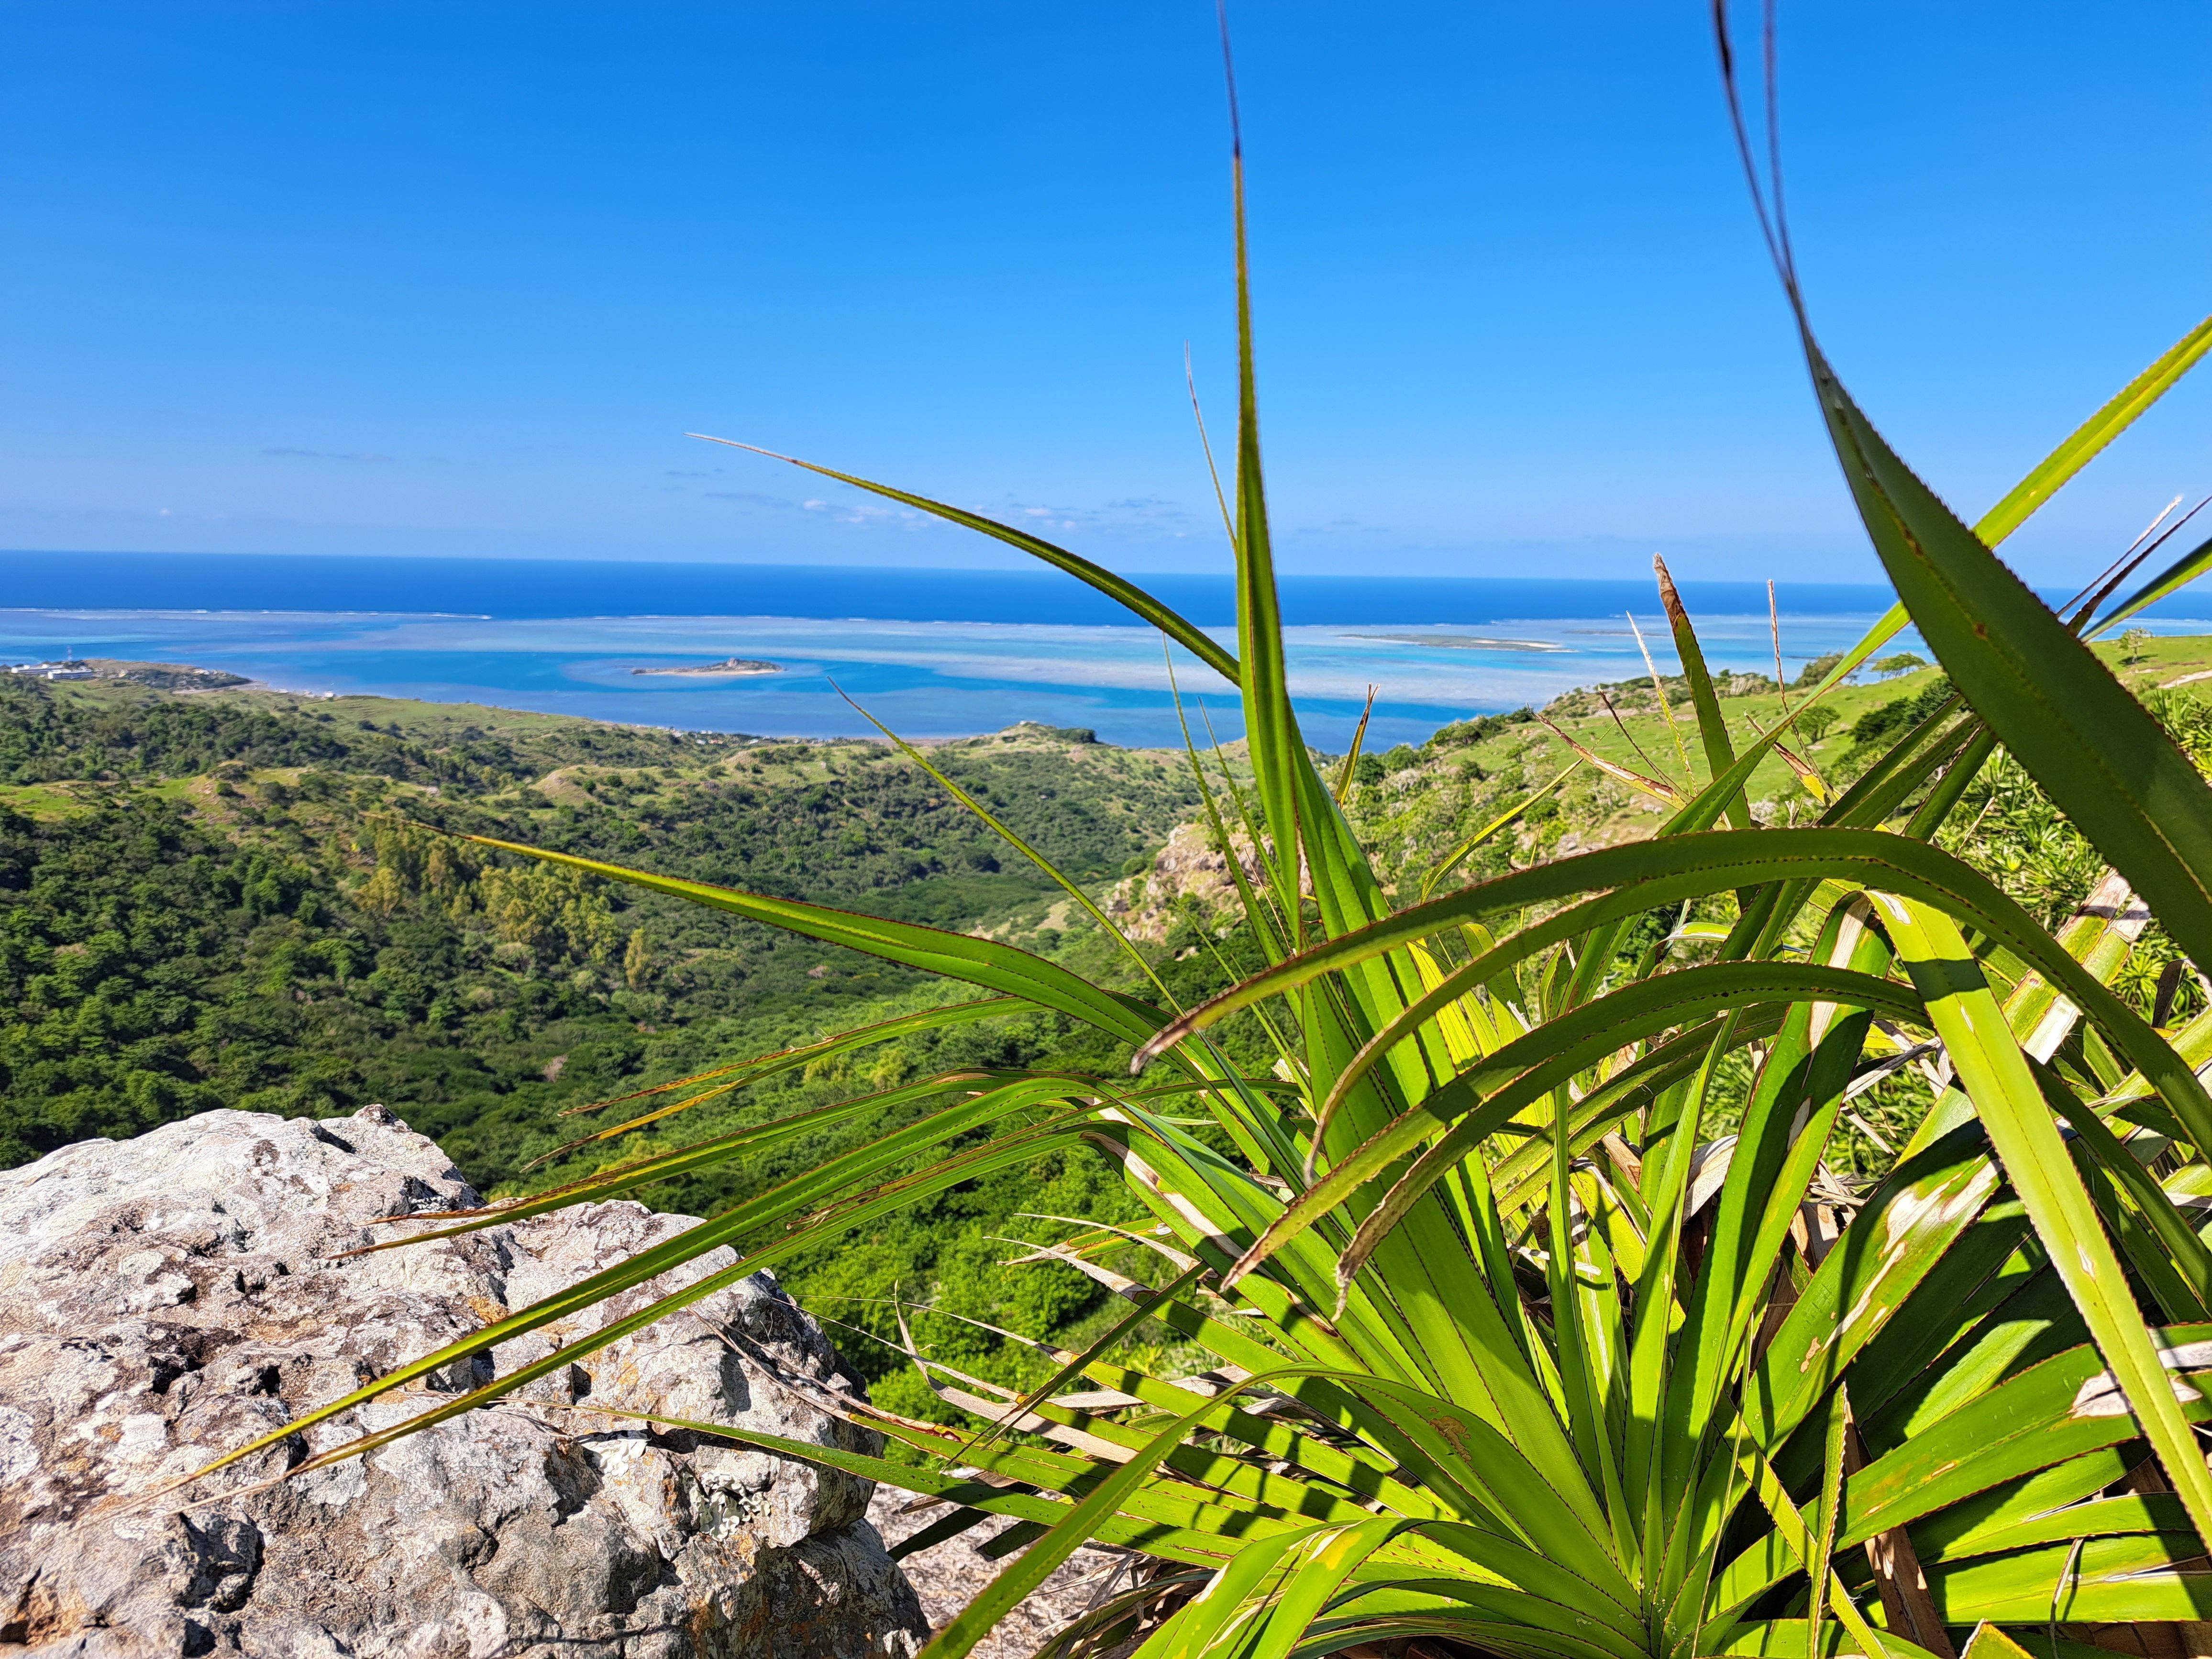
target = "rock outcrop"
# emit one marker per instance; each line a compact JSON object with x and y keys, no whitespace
{"x":954,"y":1573}
{"x":165,"y":1298}
{"x":1188,"y":868}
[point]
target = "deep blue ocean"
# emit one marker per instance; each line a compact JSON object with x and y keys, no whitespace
{"x":931,"y":653}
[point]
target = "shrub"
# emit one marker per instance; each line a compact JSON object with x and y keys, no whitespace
{"x":1817,"y":721}
{"x":1893,"y":720}
{"x":1819,"y":669}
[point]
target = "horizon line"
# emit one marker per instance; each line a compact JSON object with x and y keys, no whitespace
{"x":1036,"y":570}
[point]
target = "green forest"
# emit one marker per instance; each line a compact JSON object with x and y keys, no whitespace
{"x":249,"y":900}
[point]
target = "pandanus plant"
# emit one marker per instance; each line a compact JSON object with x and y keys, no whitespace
{"x":1510,"y":1351}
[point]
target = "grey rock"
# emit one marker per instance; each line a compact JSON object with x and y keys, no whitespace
{"x":170,"y":1297}
{"x":947,"y":1576}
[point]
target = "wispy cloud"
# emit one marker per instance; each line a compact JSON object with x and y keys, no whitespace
{"x":328,"y":454}
{"x":749,"y":497}
{"x":1139,"y":515}
{"x":854,"y":509}
{"x":1341,"y":527}
{"x":1143,"y":516}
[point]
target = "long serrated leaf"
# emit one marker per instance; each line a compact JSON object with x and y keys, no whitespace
{"x":982,"y":962}
{"x":1478,"y":1101}
{"x":2169,"y":582}
{"x":1122,"y":591}
{"x":2087,"y":440}
{"x":664,"y":1165}
{"x":1823,"y":1553}
{"x":725,"y":1079}
{"x":2080,"y":446}
{"x":1013,"y":1585}
{"x":647,"y":1265}
{"x":2094,"y":750}
{"x":1712,"y":726}
{"x":1051,"y":870}
{"x":2010,"y":1104}
{"x":1669,"y":869}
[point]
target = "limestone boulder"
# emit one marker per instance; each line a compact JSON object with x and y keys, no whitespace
{"x":167,"y":1299}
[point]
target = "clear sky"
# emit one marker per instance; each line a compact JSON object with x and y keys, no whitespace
{"x":455,"y":278}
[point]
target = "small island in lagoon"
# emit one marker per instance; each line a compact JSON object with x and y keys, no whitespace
{"x":727,"y":666}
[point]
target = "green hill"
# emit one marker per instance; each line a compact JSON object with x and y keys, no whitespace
{"x":240,"y":898}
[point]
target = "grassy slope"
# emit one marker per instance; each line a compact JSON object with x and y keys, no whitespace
{"x":2163,"y":661}
{"x":1435,"y":797}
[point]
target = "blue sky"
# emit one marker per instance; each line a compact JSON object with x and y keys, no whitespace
{"x":455,"y":278}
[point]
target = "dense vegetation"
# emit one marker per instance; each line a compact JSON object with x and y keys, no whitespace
{"x":53,"y":732}
{"x":238,"y":901}
{"x":231,"y":900}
